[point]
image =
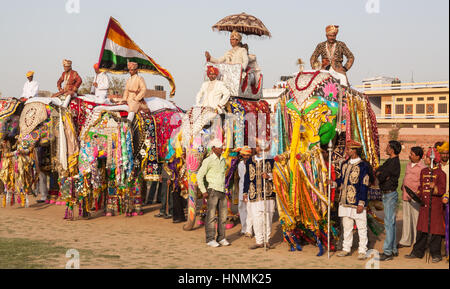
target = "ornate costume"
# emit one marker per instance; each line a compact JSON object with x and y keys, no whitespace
{"x":254,"y":188}
{"x":332,"y":54}
{"x":353,"y":180}
{"x":71,"y":80}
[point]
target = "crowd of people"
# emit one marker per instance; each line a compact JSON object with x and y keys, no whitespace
{"x":426,"y":175}
{"x":424,"y":190}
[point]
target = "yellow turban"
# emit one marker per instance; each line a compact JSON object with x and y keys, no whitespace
{"x":332,"y":29}
{"x":30,"y":73}
{"x":67,"y":62}
{"x":235,"y":35}
{"x":443,"y":147}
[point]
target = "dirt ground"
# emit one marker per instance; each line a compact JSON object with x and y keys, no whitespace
{"x":149,"y":242}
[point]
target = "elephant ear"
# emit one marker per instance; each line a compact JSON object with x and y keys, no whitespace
{"x":327,"y":132}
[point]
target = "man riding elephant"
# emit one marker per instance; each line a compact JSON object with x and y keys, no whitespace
{"x":236,"y":55}
{"x":332,"y":53}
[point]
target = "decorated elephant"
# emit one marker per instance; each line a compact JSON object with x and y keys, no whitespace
{"x":315,"y":111}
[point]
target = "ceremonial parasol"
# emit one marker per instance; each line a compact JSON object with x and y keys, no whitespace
{"x":242,"y":23}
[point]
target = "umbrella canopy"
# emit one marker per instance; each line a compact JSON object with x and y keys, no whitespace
{"x":242,"y":23}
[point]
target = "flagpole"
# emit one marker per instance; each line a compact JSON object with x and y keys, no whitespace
{"x":104,"y":41}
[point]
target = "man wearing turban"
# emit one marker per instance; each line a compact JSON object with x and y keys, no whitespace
{"x":100,"y":87}
{"x":30,"y":88}
{"x":443,"y":151}
{"x":431,"y":214}
{"x":332,"y":53}
{"x":243,"y":207}
{"x":353,"y":181}
{"x":236,"y":55}
{"x":71,"y":81}
{"x":213,"y":93}
{"x":135,"y":90}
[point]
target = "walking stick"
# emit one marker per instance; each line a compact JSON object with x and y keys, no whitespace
{"x":330,"y":149}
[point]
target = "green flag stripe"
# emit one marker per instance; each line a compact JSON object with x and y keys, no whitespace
{"x":113,"y":61}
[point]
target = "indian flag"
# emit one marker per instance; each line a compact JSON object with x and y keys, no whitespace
{"x":118,"y":49}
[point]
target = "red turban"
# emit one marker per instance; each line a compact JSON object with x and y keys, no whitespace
{"x":353,"y":144}
{"x":437,"y":156}
{"x":212,"y":70}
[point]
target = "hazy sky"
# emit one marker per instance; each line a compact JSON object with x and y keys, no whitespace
{"x":406,"y":37}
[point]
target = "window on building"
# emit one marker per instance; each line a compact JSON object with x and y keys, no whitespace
{"x":442,"y":98}
{"x":420,"y":108}
{"x":430,"y":108}
{"x":388,"y":109}
{"x":409,"y":99}
{"x":400,"y":99}
{"x":399,"y":109}
{"x":420,"y":99}
{"x":409,"y":109}
{"x":442,"y":108}
{"x":430,"y":98}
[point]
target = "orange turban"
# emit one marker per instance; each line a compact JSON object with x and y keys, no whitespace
{"x":96,"y":66}
{"x":30,"y":73}
{"x":212,"y":70}
{"x":332,"y":29}
{"x":246,"y":150}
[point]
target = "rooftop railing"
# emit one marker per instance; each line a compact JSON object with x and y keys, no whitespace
{"x":402,"y":86}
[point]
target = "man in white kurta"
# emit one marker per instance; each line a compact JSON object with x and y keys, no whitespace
{"x":236,"y":55}
{"x":213,"y":93}
{"x":245,"y":217}
{"x":100,"y":88}
{"x":30,"y":88}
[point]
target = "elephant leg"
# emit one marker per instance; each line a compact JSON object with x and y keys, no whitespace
{"x":192,"y":198}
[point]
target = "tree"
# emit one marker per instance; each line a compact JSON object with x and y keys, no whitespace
{"x":116,"y":85}
{"x":85,"y":87}
{"x":394,"y":132}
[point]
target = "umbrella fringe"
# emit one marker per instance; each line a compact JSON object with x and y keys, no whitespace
{"x":244,"y":30}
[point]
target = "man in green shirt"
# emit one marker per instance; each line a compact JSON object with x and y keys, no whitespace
{"x":214,"y":168}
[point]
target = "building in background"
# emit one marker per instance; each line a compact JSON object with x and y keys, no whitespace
{"x":416,"y":114}
{"x":157,"y":92}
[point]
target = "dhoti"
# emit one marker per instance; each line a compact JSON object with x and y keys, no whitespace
{"x":257,"y":211}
